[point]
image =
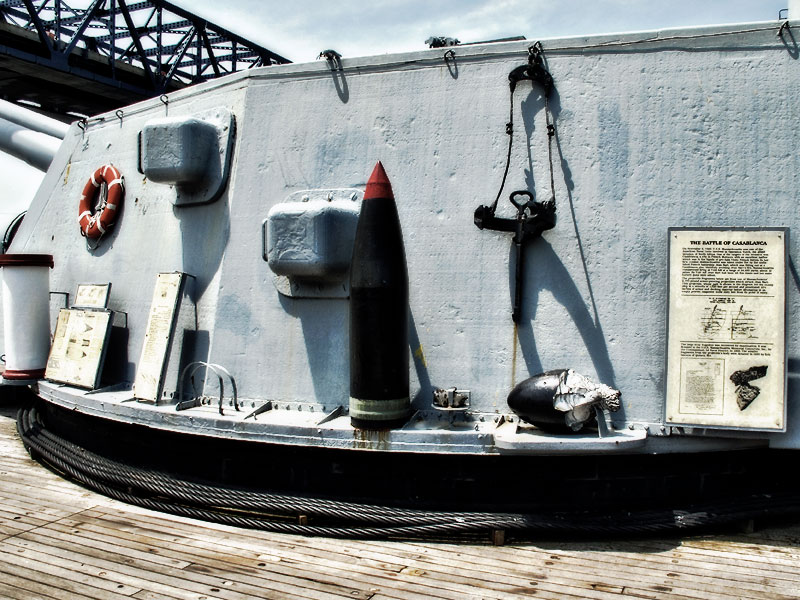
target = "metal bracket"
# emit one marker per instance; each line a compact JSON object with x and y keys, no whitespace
{"x":192,"y":154}
{"x":334,"y":414}
{"x":196,"y":400}
{"x":533,"y":218}
{"x":124,"y":386}
{"x":534,"y":71}
{"x":451,"y":399}
{"x":308,"y":241}
{"x":267,"y":406}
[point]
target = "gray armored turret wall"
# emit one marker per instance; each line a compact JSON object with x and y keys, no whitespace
{"x":682,"y":128}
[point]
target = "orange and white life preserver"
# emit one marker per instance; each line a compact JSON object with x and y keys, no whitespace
{"x":95,"y":221}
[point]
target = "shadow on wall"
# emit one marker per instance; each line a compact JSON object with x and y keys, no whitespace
{"x":205,"y":230}
{"x":325,"y":325}
{"x":789,"y":41}
{"x":334,"y":60}
{"x":549,"y":273}
{"x":424,"y":395}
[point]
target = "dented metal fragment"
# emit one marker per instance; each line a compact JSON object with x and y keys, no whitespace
{"x":561,"y":400}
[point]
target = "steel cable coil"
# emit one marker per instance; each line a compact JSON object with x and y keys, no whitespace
{"x":279,"y":512}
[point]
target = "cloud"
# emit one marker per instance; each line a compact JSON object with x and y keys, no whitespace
{"x":300,"y":30}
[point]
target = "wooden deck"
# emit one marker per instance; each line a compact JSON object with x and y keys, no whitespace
{"x":58,"y":540}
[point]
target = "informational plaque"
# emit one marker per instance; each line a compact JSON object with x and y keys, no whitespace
{"x":94,"y":295}
{"x":726,"y":365}
{"x":76,"y":356}
{"x":158,"y":337}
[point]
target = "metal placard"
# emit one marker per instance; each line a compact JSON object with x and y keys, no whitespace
{"x":726,"y":342}
{"x":79,"y":347}
{"x":158,"y":337}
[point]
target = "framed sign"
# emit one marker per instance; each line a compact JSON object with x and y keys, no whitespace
{"x":92,"y":295}
{"x":726,"y":335}
{"x":79,"y":347}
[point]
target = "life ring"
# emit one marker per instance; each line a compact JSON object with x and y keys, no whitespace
{"x":94,"y":222}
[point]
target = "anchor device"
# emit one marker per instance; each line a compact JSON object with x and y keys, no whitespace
{"x":533,"y":217}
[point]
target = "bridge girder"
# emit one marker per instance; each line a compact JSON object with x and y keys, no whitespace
{"x":140,"y":49}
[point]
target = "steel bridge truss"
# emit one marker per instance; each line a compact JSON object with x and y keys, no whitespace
{"x":170,"y":45}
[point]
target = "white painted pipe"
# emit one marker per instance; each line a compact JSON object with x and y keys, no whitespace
{"x":35,"y":148}
{"x":32,"y":120}
{"x":26,"y":314}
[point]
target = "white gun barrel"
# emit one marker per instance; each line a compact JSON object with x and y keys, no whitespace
{"x":32,"y":120}
{"x":35,"y":148}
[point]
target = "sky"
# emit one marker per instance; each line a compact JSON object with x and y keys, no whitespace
{"x":300,"y":30}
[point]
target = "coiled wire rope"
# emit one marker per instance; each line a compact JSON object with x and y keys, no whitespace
{"x":279,"y":512}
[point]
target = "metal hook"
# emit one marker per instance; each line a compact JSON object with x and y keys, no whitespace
{"x":449,"y":55}
{"x":82,"y":124}
{"x":333,"y":57}
{"x":784,"y":26}
{"x":781,"y":11}
{"x":119,"y":114}
{"x":535,"y":52}
{"x":164,"y":98}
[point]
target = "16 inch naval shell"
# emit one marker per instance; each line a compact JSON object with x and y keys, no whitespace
{"x":379,"y":397}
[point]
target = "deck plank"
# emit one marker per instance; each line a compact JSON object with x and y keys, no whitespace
{"x":59,"y":540}
{"x":662,"y":570}
{"x":66,"y":574}
{"x":337,"y":558}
